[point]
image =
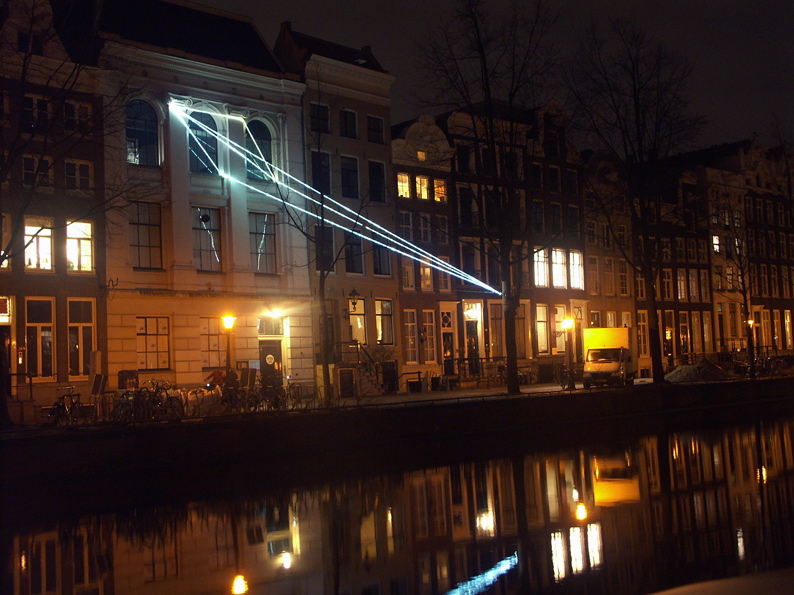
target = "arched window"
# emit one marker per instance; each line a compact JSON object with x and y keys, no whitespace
{"x":203,"y":144}
{"x":258,"y":144}
{"x":142,"y":134}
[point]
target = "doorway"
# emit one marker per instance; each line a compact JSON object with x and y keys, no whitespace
{"x":270,"y":362}
{"x":472,"y":346}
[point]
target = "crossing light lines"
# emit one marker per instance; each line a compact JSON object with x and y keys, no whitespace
{"x":334,"y":212}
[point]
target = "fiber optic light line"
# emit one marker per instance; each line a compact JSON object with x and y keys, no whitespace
{"x":454,"y":272}
{"x":244,"y":153}
{"x":357,"y":217}
{"x":419,"y":255}
{"x":434,"y":261}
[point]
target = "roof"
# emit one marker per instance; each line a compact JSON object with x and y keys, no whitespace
{"x":295,"y":49}
{"x":172,"y":25}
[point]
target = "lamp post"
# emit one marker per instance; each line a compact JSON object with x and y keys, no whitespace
{"x":567,"y":325}
{"x":228,"y":324}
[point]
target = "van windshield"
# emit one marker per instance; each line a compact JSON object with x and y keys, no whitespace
{"x":600,"y":355}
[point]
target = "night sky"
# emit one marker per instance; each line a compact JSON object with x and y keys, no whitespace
{"x":742,"y":51}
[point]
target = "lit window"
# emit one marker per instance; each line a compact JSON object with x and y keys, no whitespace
{"x":425,"y":277}
{"x":422,"y":187}
{"x":81,"y":336}
{"x":715,"y":242}
{"x":577,"y":270}
{"x":141,"y":134}
{"x":558,"y":268}
{"x":79,"y":246}
{"x":409,"y":338}
{"x":440,"y":190}
{"x":384,"y":323}
{"x":40,"y":337}
{"x":262,"y":242}
{"x":542,"y":328}
{"x":408,"y":274}
{"x":153,"y":343}
{"x":429,"y":336}
{"x":38,"y":244}
{"x":403,"y":185}
{"x":541,"y":267}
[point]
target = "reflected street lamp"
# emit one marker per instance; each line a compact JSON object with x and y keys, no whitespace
{"x":228,"y":324}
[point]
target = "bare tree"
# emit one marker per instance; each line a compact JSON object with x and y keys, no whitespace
{"x":57,"y":118}
{"x":489,"y":71}
{"x":629,"y":93}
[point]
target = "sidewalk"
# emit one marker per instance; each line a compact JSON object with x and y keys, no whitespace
{"x":541,"y":389}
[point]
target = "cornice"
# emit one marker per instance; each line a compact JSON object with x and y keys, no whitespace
{"x":140,"y":58}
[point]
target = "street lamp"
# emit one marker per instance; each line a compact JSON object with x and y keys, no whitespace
{"x":228,"y":324}
{"x":567,"y":325}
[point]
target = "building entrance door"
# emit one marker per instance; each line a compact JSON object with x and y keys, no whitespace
{"x":472,"y":346}
{"x":270,"y":362}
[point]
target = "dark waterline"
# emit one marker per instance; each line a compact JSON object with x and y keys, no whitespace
{"x":662,"y":510}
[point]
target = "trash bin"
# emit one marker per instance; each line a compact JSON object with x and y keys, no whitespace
{"x":414,"y":386}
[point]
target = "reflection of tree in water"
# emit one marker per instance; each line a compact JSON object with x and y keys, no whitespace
{"x":152,"y":526}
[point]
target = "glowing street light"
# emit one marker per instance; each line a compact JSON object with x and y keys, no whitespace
{"x":228,"y":324}
{"x":239,"y":584}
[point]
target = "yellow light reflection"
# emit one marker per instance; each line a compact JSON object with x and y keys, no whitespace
{"x":239,"y":585}
{"x":286,"y":560}
{"x":581,"y":511}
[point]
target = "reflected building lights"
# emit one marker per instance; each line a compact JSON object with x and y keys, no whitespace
{"x":558,"y":555}
{"x":577,"y":549}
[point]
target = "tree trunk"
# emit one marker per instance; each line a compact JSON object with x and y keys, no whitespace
{"x":509,"y":307}
{"x":325,"y":356}
{"x":654,"y":334}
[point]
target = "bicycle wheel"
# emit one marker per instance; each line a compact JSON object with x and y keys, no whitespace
{"x":296,"y":395}
{"x":173,"y":408}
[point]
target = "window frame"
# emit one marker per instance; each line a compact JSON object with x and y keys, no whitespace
{"x":81,"y":345}
{"x":201,"y":235}
{"x":262,"y":246}
{"x":348,"y":123}
{"x":202,"y":145}
{"x":80,"y":246}
{"x":137,"y":245}
{"x":145,"y":128}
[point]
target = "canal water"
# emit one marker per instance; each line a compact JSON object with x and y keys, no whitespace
{"x":609,"y":518}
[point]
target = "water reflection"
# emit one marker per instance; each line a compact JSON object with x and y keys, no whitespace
{"x":664,"y":511}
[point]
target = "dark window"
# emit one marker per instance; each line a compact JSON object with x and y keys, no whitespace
{"x":203,"y":144}
{"x":552,"y":144}
{"x":262,"y":241}
{"x":572,"y":182}
{"x":318,"y":118}
{"x":537,"y":216}
{"x":556,"y":218}
{"x":536,"y":175}
{"x":259,"y":151}
{"x":377,"y":181}
{"x":207,"y":239}
{"x":464,"y":159}
{"x":381,"y":260}
{"x":354,"y":255}
{"x":141,"y":134}
{"x":146,"y":242}
{"x":572,"y":221}
{"x":466,"y":203}
{"x":321,"y":172}
{"x":35,"y":118}
{"x":349,"y":170}
{"x":375,"y":130}
{"x":347,"y":124}
{"x":554,"y":179}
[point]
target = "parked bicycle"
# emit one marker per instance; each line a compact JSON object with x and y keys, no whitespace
{"x":69,"y":410}
{"x":157,"y":401}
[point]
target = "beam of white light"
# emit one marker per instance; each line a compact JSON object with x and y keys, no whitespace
{"x":357,"y":219}
{"x":403,"y":247}
{"x":482,"y":582}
